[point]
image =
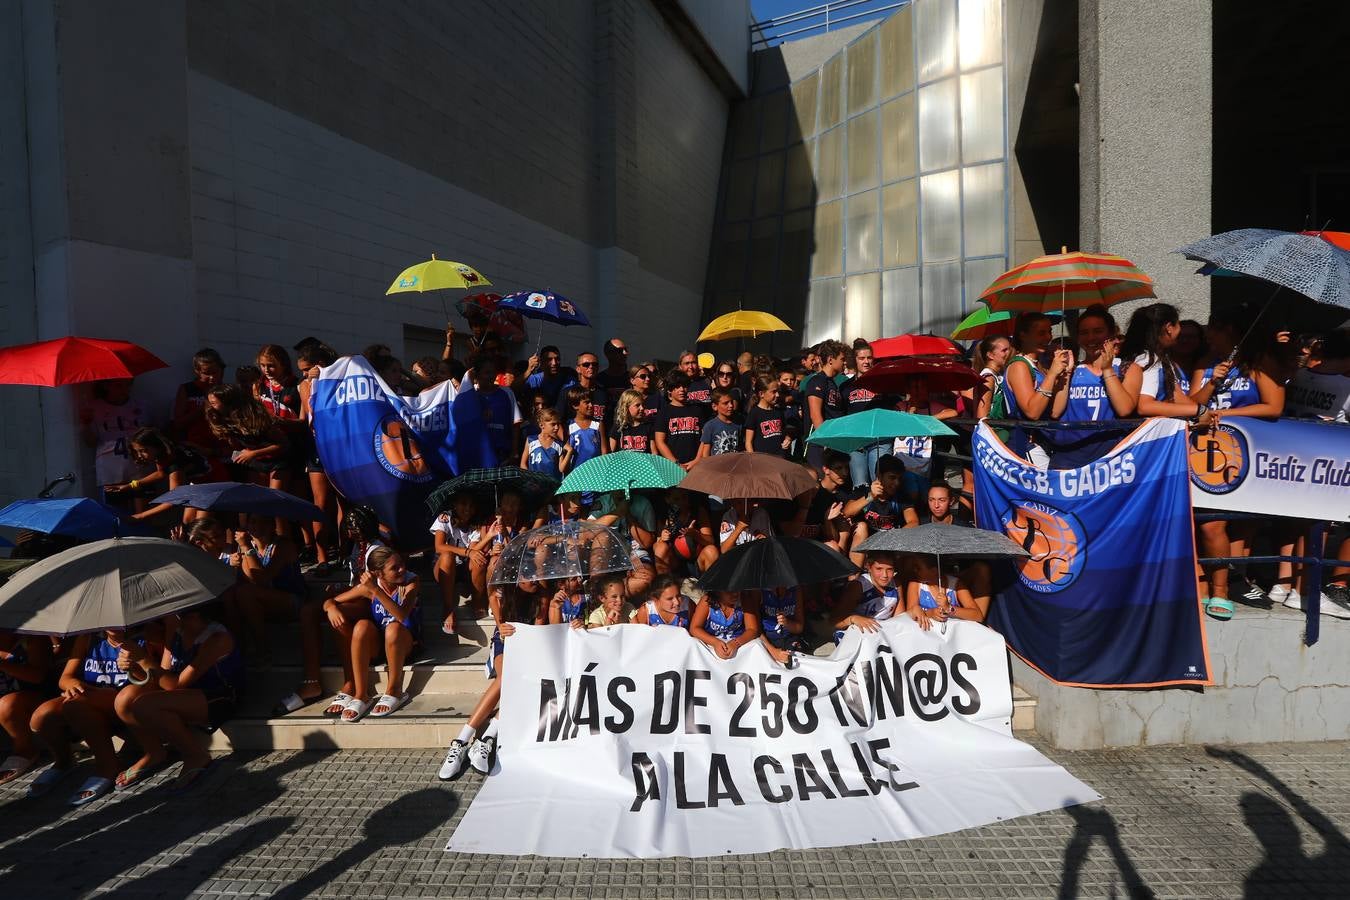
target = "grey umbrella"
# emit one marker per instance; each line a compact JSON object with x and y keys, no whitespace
{"x":117,"y":583}
{"x":943,"y":540}
{"x":1305,"y":263}
{"x":562,"y":550}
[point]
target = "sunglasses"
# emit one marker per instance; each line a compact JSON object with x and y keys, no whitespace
{"x":725,"y":374}
{"x":586,"y":365}
{"x":643,"y":375}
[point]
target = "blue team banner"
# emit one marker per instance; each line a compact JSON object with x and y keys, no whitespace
{"x":388,"y":452}
{"x":1108,"y":596}
{"x":1291,"y":468}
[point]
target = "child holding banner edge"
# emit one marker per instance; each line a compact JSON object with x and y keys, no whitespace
{"x":725,"y":622}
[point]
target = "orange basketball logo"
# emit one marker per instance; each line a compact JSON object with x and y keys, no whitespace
{"x":1055,"y":541}
{"x":397,"y":450}
{"x":1218,"y":459}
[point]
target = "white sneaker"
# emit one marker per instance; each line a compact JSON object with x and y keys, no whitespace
{"x":455,"y":760}
{"x":1327,"y":607}
{"x":1278,"y":594}
{"x":1292,"y":598}
{"x":483,"y":753}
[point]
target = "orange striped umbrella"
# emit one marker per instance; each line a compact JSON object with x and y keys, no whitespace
{"x":1067,"y":281}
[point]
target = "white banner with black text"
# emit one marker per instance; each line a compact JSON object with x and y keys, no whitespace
{"x":631,"y":741}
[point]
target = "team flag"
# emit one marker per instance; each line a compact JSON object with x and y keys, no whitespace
{"x":1108,"y":596}
{"x":386,"y":451}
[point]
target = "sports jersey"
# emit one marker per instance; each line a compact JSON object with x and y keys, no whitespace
{"x":722,"y":626}
{"x":874,"y":603}
{"x":18,"y":656}
{"x":99,"y":665}
{"x":1009,"y":397}
{"x":1237,"y":390}
{"x":113,"y":427}
{"x":585,"y":441}
{"x":398,"y":596}
{"x":1088,"y":402}
{"x":1154,"y":384}
{"x":499,"y":411}
{"x":600,"y":404}
{"x":227,"y":674}
{"x":881,"y":514}
{"x":823,"y":387}
{"x":574,"y":608}
{"x":289,"y":578}
{"x":928,"y":601}
{"x":700,"y":393}
{"x":682,"y":427}
{"x":681,"y":619}
{"x":767,"y":429}
{"x":771,"y":606}
{"x":543,"y":459}
{"x":281,"y":400}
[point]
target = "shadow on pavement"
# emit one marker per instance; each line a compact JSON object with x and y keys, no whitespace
{"x":1287,"y":868}
{"x":1090,"y":824}
{"x":399,"y":822}
{"x":122,"y":833}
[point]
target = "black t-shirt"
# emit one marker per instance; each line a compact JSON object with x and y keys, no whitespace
{"x":635,"y":437}
{"x":959,"y":517}
{"x":600,"y":405}
{"x":652,"y":403}
{"x":683,"y":427}
{"x":768,"y":429}
{"x":816,"y":513}
{"x":822,"y":386}
{"x":882,"y":514}
{"x":721,"y":437}
{"x":856,"y":399}
{"x":699,"y":393}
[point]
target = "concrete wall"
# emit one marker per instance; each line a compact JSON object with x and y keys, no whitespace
{"x":199,"y":173}
{"x":1145,"y":140}
{"x":1268,"y":687}
{"x":725,"y":26}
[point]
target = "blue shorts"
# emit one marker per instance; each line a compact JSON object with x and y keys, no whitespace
{"x":496,"y":647}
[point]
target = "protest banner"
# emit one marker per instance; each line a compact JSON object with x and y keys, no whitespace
{"x":632,"y":741}
{"x":1108,"y":596}
{"x":1289,"y":468}
{"x":387,"y":451}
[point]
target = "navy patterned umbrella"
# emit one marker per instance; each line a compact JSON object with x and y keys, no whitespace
{"x":1308,"y":263}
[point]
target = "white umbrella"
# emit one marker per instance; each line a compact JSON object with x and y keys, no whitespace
{"x":117,"y":583}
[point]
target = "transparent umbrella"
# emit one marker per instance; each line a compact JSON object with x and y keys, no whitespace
{"x":562,"y":550}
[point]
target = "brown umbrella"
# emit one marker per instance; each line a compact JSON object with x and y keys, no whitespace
{"x":749,"y":475}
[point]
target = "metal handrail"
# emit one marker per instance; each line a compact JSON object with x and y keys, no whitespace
{"x":761,"y":38}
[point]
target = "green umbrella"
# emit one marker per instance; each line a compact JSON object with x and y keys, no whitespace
{"x":849,"y":433}
{"x":623,"y":470}
{"x":536,"y":486}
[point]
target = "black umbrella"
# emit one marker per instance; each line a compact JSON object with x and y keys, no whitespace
{"x":536,"y":486}
{"x":776,"y":562}
{"x":934,"y":539}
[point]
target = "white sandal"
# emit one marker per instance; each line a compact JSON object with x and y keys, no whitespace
{"x":391,"y":704}
{"x":335,"y":707}
{"x":15,"y":766}
{"x":359,"y":707}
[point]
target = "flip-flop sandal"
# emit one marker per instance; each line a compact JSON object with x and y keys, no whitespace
{"x":190,"y":778}
{"x":133,"y":776}
{"x":292,"y":702}
{"x":391,"y":704}
{"x":46,"y":780}
{"x":359,"y":708}
{"x":15,"y":766}
{"x":92,"y":789}
{"x":1219,"y":608}
{"x":340,"y":701}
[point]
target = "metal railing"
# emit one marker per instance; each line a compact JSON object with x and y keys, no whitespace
{"x":1315,"y":564}
{"x":817,"y":20}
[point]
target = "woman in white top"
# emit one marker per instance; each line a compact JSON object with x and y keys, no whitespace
{"x":1156,"y":383}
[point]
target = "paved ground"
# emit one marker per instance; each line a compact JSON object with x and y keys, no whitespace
{"x":1269,"y":820}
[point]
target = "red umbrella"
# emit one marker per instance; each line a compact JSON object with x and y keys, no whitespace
{"x":914,"y":345}
{"x":899,"y":376}
{"x":71,"y":360}
{"x":508,"y":324}
{"x":484,"y":305}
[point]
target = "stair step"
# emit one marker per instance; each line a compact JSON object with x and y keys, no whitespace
{"x":429,"y":720}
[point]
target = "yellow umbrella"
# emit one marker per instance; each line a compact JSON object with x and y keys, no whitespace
{"x":436,"y":274}
{"x":743,"y":323}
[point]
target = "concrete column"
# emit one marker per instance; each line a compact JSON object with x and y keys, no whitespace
{"x":111,"y":225}
{"x":1145,"y":137}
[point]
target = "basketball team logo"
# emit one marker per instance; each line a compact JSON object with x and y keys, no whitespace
{"x":1055,"y":540}
{"x":397,"y":450}
{"x":536,"y":301}
{"x":1219,"y":459}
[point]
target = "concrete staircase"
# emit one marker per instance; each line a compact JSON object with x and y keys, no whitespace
{"x":445,"y":682}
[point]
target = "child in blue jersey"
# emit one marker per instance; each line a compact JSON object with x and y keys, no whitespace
{"x":194,"y":683}
{"x":929,"y":598}
{"x":585,"y":435}
{"x":725,"y":622}
{"x":394,"y":624}
{"x":548,"y":452}
{"x":1237,"y":383}
{"x":664,"y":605}
{"x":872,"y":598}
{"x":782,"y":613}
{"x":1095,"y":394}
{"x":568,"y":603}
{"x":86,"y":710}
{"x":1029,"y":390}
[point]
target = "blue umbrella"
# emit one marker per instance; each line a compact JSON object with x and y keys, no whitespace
{"x":81,"y":518}
{"x":545,"y":306}
{"x":233,"y":497}
{"x":1307,"y":264}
